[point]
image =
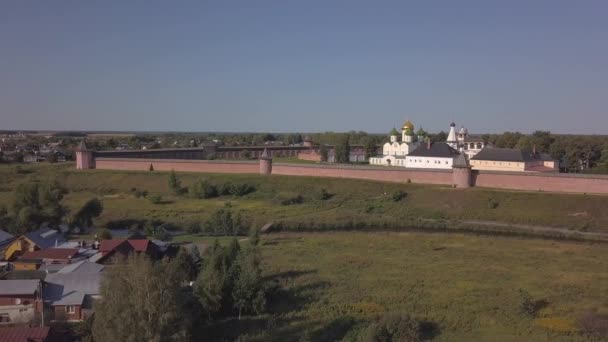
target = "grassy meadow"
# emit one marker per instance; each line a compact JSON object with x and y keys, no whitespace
{"x":351,"y":202}
{"x":466,"y":288}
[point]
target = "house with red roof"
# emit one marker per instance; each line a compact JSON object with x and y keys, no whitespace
{"x":111,"y":249}
{"x":33,"y":259}
{"x":31,"y":334}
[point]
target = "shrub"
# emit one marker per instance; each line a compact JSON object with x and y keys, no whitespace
{"x":392,"y":327}
{"x":139,"y":193}
{"x":223,"y":222}
{"x":105,"y":234}
{"x":194,"y":228}
{"x":293,"y":200}
{"x":594,"y":324}
{"x":528,"y":305}
{"x":241,"y":189}
{"x":225,"y":189}
{"x":155,"y":198}
{"x":203,"y":189}
{"x":493,"y":203}
{"x":323,"y":195}
{"x":398,"y":195}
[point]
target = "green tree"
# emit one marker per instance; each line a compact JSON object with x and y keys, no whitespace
{"x":36,"y":203}
{"x":342,"y":150}
{"x":141,"y":302}
{"x":369,"y":146}
{"x":210,"y":283}
{"x":248,"y":293}
{"x":186,"y":264}
{"x":203,"y":189}
{"x":174,"y":183}
{"x":604,"y":154}
{"x":85,"y":215}
{"x":323,"y":152}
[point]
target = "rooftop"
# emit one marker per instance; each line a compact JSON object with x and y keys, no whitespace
{"x":45,"y":237}
{"x":506,"y":154}
{"x":70,"y":288}
{"x":50,"y":253}
{"x":438,"y":150}
{"x":18,"y":287}
{"x":24,"y":334}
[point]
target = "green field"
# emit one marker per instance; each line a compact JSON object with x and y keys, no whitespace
{"x":465,"y":287}
{"x":352,"y":202}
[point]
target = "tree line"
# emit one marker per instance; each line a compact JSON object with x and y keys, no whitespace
{"x":178,"y":298}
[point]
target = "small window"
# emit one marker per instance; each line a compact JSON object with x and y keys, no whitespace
{"x":70,"y":309}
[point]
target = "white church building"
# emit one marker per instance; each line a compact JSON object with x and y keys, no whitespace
{"x":416,"y":151}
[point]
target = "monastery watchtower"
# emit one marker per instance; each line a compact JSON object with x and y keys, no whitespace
{"x":265,"y":163}
{"x":84,"y":157}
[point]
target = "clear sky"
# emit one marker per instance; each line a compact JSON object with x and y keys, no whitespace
{"x":306,"y":65}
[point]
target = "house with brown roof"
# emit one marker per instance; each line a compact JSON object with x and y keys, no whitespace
{"x":109,"y":250}
{"x":31,"y":334}
{"x":51,"y":256}
{"x":40,"y":239}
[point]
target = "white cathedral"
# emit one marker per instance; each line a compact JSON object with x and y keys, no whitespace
{"x":416,"y":150}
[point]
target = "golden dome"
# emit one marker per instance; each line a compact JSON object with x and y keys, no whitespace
{"x":408,"y":124}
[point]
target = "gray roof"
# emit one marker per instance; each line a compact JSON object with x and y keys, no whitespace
{"x":461,"y":161}
{"x":70,"y":288}
{"x":4,"y":236}
{"x":437,"y":150}
{"x":82,"y":267}
{"x":45,"y":237}
{"x":505,"y":154}
{"x":473,"y":138}
{"x":18,"y":287}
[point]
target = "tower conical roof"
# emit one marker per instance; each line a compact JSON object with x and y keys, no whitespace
{"x":461,"y":161}
{"x":393,"y":131}
{"x":82,"y":146}
{"x":265,"y":154}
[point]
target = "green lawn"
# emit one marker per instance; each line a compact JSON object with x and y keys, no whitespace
{"x":465,"y":287}
{"x":352,"y":201}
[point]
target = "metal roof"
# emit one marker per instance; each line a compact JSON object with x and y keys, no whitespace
{"x":70,"y":288}
{"x":45,"y":237}
{"x":437,"y":150}
{"x":4,"y":236}
{"x":504,"y":154}
{"x":24,"y":334}
{"x":18,"y":287}
{"x":82,"y":267}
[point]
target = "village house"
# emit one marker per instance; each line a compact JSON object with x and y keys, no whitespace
{"x":70,"y":296}
{"x":109,"y":250}
{"x":31,"y":334}
{"x":19,"y":300}
{"x":50,"y":256}
{"x":40,"y":239}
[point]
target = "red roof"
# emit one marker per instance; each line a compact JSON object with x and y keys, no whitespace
{"x":51,"y":253}
{"x":24,"y":334}
{"x":110,"y":245}
{"x":140,"y":245}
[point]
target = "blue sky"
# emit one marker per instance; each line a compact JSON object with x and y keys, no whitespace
{"x":304,"y":66}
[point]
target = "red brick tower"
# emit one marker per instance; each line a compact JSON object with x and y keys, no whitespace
{"x":84,"y":157}
{"x":265,"y":163}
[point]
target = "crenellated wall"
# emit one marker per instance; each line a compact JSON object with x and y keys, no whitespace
{"x":550,"y":182}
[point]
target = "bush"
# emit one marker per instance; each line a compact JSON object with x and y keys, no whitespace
{"x":140,"y":193}
{"x":225,"y":189}
{"x":223,"y":222}
{"x":194,"y":228}
{"x":493,"y":203}
{"x":528,"y":305}
{"x":323,"y":195}
{"x":203,"y":189}
{"x":593,"y":324}
{"x":293,"y":200}
{"x":398,"y":195}
{"x":155,"y":198}
{"x":105,"y":234}
{"x":392,"y":327}
{"x":242,"y":189}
